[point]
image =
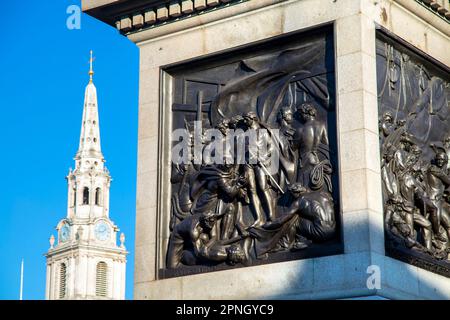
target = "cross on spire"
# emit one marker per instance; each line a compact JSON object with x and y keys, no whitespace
{"x":91,"y":71}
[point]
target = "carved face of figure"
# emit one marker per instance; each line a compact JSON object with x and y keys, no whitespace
{"x":208,"y":220}
{"x":447,"y":141}
{"x":223,"y":126}
{"x":415,"y":150}
{"x":387,"y":118}
{"x":441,"y":159}
{"x":406,"y":143}
{"x":235,"y":121}
{"x":235,"y":254}
{"x":306,"y":112}
{"x":286,"y":114}
{"x":250,"y":118}
{"x":297,"y":189}
{"x":401,"y":123}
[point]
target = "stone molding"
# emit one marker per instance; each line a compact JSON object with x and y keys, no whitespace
{"x":440,"y":7}
{"x":129,"y":18}
{"x":69,"y":248}
{"x":424,"y":11}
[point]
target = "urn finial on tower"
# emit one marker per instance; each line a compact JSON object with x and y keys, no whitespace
{"x":52,"y":241}
{"x":122,"y":240}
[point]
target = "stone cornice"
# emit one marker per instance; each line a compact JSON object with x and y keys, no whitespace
{"x":424,"y":12}
{"x":439,"y":7}
{"x":130,"y":16}
{"x":85,"y":248}
{"x":133,"y":16}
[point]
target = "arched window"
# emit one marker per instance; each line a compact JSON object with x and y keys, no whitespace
{"x":98,"y":197}
{"x":101,"y":280}
{"x":86,"y":195}
{"x":74,"y":192}
{"x":62,"y":280}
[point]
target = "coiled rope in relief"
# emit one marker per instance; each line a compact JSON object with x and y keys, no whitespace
{"x":320,"y":175}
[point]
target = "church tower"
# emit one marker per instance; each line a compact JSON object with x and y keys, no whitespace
{"x":86,"y":262}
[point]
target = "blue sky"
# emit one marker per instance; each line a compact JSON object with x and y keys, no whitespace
{"x":44,"y":70}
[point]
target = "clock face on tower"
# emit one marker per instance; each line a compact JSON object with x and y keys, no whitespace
{"x":102,"y":231}
{"x":64,"y":233}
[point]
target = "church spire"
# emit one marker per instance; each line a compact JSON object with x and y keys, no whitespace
{"x":87,"y":238}
{"x":89,"y":148}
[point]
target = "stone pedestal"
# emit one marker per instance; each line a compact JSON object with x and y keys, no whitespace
{"x":232,"y":25}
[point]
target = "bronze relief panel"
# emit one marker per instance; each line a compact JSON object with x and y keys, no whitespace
{"x":414,"y":127}
{"x":254,"y":172}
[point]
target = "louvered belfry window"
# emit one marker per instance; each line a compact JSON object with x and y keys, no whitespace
{"x":62,"y":280}
{"x":86,"y":195}
{"x":101,"y":284}
{"x":98,"y":197}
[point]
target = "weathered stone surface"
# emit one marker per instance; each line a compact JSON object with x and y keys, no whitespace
{"x":125,"y":24}
{"x":138,"y":21}
{"x":162,"y":14}
{"x":150,"y":17}
{"x":200,"y":4}
{"x":174,"y":10}
{"x":357,"y":110}
{"x":213,"y":3}
{"x":187,"y":6}
{"x":358,"y":150}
